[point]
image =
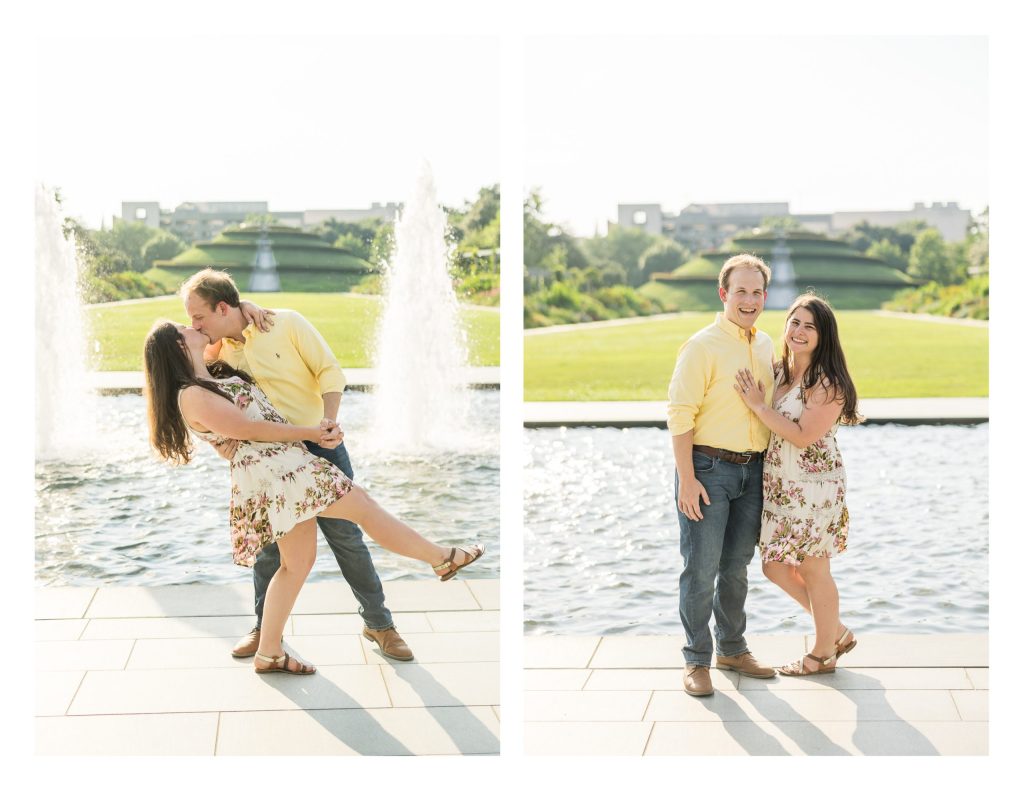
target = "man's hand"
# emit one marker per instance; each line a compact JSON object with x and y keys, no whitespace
{"x":690,"y":494}
{"x":254,"y":314}
{"x":332,"y":435}
{"x":226,"y":449}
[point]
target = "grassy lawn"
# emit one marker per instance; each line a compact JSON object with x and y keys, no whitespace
{"x":888,"y":357}
{"x":346,"y":321}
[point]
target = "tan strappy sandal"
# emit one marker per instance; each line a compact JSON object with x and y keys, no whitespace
{"x":798,"y":668}
{"x":451,"y":568}
{"x":275,"y":667}
{"x":845,"y":648}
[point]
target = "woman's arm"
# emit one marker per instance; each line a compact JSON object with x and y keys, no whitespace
{"x":820,"y":413}
{"x":207,"y":411}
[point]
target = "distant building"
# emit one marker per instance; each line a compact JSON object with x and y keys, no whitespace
{"x":947,"y":218}
{"x":202,"y":221}
{"x":703,"y":226}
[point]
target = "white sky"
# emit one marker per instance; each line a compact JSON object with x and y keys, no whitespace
{"x":825,"y":123}
{"x":303,"y":123}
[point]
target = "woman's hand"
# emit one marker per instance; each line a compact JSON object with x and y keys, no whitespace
{"x":254,"y":314}
{"x":750,"y":390}
{"x":331,"y":435}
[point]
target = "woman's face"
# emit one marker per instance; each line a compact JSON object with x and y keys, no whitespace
{"x":194,"y":340}
{"x":801,"y":333}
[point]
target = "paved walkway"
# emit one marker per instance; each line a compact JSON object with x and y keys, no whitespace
{"x":148,"y":671}
{"x":116,"y":382}
{"x":892,"y":695}
{"x":640,"y":414}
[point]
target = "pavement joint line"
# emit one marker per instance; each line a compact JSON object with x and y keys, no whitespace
{"x":216,"y":734}
{"x":650,"y":698}
{"x":387,"y":689}
{"x":131,"y":651}
{"x":956,"y":708}
{"x":593,"y":653}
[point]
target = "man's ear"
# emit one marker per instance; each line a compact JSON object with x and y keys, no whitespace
{"x":722,"y":294}
{"x":222,"y":308}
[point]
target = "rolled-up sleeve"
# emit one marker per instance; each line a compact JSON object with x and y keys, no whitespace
{"x":317,"y":356}
{"x":687,"y":388}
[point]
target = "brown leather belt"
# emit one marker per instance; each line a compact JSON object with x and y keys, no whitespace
{"x":728,"y":455}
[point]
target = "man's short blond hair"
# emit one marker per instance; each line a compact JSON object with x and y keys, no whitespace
{"x":743,"y":261}
{"x":214,"y":287}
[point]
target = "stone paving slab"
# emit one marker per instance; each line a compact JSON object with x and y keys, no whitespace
{"x":868,"y":678}
{"x":62,"y":602}
{"x":487,"y":592}
{"x":567,"y":651}
{"x":558,"y":706}
{"x":227,"y":689}
{"x":443,"y":647}
{"x":426,"y":731}
{"x":972,"y":704}
{"x":351,"y":623}
{"x":61,"y":629}
{"x":830,"y":738}
{"x":819,"y":705}
{"x":467,"y":621}
{"x":628,"y":679}
{"x":82,"y":654}
{"x":55,"y":690}
{"x":142,"y":734}
{"x":125,"y":670}
{"x":666,"y":650}
{"x":233,"y":626}
{"x":586,"y":738}
{"x":893,"y":695}
{"x":567,"y":679}
{"x":452,"y":684}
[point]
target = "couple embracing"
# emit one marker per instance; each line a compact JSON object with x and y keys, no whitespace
{"x":266,"y":395}
{"x":757,"y":465}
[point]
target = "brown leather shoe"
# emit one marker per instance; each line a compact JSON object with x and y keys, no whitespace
{"x":745,"y":664}
{"x":697,"y":681}
{"x":391,"y":643}
{"x":247,"y":646}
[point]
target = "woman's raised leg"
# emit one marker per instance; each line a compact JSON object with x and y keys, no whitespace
{"x":388,"y":531}
{"x":790,"y":580}
{"x":298,"y":553}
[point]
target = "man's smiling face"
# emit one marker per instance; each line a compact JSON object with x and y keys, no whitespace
{"x":744,"y":300}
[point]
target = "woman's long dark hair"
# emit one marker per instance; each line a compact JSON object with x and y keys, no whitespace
{"x":168,"y":370}
{"x":828,"y":363}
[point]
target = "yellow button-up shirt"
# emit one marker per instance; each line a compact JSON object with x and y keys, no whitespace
{"x":701,"y":395}
{"x":291,"y":363}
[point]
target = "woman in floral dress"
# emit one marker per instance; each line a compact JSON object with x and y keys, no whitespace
{"x":278,"y":487}
{"x":805,"y":522}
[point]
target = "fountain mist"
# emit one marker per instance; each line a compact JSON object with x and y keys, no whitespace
{"x":64,"y":419}
{"x":421,"y":402}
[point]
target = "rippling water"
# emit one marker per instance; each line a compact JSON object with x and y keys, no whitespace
{"x":601,"y":537}
{"x":113,"y":513}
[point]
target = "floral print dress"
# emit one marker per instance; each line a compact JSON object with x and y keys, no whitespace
{"x":804,"y":494}
{"x":274,"y":485}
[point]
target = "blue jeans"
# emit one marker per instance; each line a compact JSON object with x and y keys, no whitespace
{"x":716,"y":551}
{"x":346,"y":542}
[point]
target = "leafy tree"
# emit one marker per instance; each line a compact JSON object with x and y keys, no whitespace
{"x":258,"y":218}
{"x":889,"y":252}
{"x":665,"y":255}
{"x":624,"y":246}
{"x":781,"y":222}
{"x":355,"y":245}
{"x":929,"y":258}
{"x":162,"y":246}
{"x":125,"y":240}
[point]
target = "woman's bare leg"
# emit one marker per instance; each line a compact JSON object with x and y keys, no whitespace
{"x":298,"y":553}
{"x":391,"y":533}
{"x":790,"y":580}
{"x":824,"y":596}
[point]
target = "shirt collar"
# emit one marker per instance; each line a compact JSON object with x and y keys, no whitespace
{"x":246,"y":335}
{"x":731,"y":329}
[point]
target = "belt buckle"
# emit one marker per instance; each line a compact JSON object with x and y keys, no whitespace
{"x":748,"y":454}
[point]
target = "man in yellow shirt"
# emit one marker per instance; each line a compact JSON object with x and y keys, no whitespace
{"x":294,"y":366}
{"x":718,"y":446}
